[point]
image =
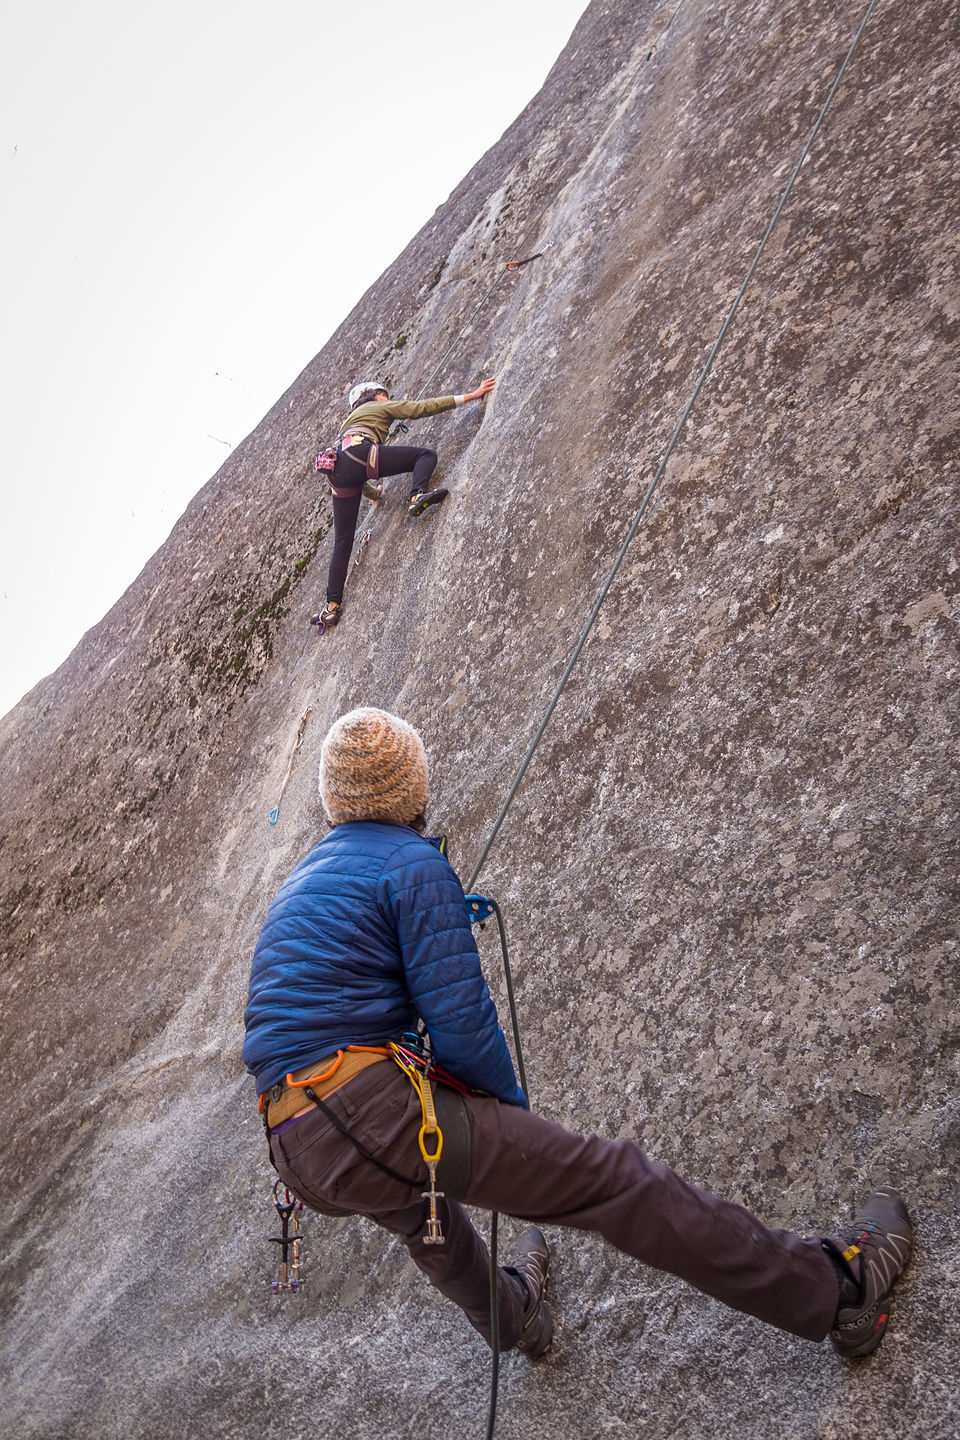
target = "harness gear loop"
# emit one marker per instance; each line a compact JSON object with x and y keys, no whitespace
{"x":313,"y":1079}
{"x":420,"y":1080}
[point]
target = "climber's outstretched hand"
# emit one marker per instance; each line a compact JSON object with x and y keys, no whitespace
{"x":484,"y":389}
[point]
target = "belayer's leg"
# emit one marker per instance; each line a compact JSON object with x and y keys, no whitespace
{"x":319,"y":1164}
{"x":870,"y":1257}
{"x":526,"y":1166}
{"x":460,"y":1269}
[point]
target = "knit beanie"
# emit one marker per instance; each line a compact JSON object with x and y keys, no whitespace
{"x":372,"y":767}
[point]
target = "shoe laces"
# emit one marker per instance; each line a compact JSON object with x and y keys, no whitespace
{"x":878,"y":1256}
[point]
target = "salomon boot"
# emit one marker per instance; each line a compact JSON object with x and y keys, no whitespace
{"x":875,"y":1253}
{"x":425,"y":498}
{"x":531,"y":1264}
{"x":328,"y":616}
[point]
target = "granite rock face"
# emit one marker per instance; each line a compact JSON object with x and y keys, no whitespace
{"x":730,"y":871}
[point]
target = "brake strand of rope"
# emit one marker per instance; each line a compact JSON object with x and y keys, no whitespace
{"x":494,"y":1323}
{"x":681,"y":423}
{"x":275,"y":812}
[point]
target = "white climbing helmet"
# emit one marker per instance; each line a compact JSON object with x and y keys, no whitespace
{"x":358,"y":389}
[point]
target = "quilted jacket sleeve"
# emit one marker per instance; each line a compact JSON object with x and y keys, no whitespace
{"x":425,"y":901}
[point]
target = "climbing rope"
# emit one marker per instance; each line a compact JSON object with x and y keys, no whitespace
{"x":531,"y":749}
{"x":701,"y":380}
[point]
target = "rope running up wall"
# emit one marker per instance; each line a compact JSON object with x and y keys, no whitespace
{"x":701,"y":381}
{"x":604,"y":591}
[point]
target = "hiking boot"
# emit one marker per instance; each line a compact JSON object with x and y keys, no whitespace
{"x":531,"y":1264}
{"x":425,"y":498}
{"x":328,"y":616}
{"x":875,"y":1253}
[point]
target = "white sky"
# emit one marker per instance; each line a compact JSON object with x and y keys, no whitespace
{"x":167,"y":266}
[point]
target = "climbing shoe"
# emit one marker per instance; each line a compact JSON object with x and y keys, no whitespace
{"x":371,"y":491}
{"x":531,"y":1264}
{"x":328,"y":616}
{"x":875,"y":1253}
{"x":426,"y":498}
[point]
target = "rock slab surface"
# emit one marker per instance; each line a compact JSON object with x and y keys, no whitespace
{"x":730,"y":872}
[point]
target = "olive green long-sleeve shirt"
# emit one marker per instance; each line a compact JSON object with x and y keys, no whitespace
{"x":377,"y":416}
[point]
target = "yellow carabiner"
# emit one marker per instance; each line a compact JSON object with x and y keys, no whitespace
{"x":425,"y":1130}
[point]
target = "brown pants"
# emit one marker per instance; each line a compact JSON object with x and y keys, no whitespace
{"x":528,"y":1167}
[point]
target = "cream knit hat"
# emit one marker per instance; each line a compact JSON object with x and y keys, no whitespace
{"x":372,"y":767}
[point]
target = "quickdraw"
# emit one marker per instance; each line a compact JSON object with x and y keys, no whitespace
{"x":515,"y":264}
{"x":275,"y":812}
{"x":289,"y":1210}
{"x":365,"y":539}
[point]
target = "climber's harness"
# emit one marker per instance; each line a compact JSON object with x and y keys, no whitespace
{"x":349,"y":439}
{"x":299,"y":1090}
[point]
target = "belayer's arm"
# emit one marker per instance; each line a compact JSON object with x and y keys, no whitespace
{"x":443,"y":975}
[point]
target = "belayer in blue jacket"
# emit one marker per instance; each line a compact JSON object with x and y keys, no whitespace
{"x":368,"y":936}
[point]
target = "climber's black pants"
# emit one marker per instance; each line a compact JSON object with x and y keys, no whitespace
{"x":394,"y":460}
{"x":526,"y":1166}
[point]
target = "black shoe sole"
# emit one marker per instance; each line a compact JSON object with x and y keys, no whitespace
{"x":433,"y":497}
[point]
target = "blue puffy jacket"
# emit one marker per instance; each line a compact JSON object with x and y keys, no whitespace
{"x":369,"y":932}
